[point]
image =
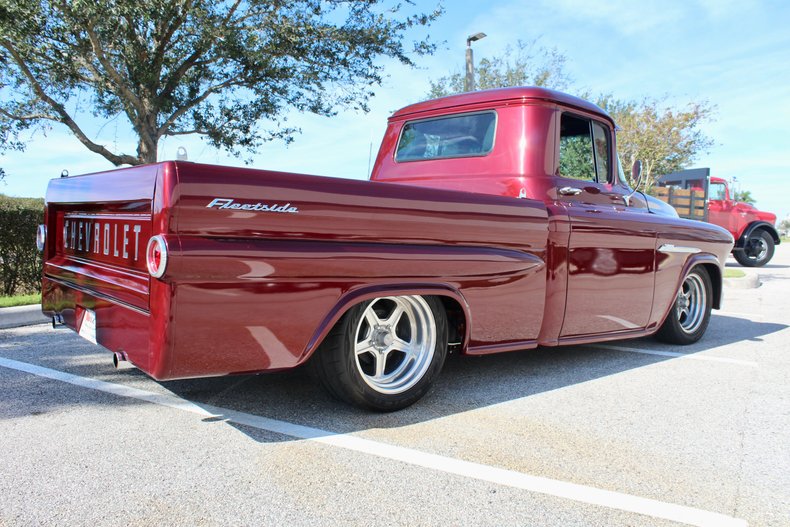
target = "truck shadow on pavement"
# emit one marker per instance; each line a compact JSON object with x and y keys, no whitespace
{"x":466,"y":383}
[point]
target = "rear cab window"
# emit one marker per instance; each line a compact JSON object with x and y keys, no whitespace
{"x":462,"y":135}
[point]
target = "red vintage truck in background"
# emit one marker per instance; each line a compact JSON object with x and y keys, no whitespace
{"x":696,"y":195}
{"x":495,"y":221}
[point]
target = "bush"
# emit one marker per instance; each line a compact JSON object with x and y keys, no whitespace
{"x":20,"y":261}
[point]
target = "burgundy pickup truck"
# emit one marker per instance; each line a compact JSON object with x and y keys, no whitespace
{"x":495,"y":221}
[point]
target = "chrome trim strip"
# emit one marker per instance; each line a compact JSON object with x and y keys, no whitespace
{"x":97,"y":294}
{"x":668,"y":248}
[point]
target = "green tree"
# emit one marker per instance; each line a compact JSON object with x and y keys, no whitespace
{"x":176,"y":67}
{"x":20,"y":261}
{"x":528,"y":63}
{"x":744,"y":196}
{"x":664,"y":138}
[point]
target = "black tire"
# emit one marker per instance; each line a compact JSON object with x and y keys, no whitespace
{"x":690,"y":313}
{"x":384,"y":354}
{"x":757,"y":250}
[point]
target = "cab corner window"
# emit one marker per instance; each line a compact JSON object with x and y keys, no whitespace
{"x":445,"y":137}
{"x":584,"y":149}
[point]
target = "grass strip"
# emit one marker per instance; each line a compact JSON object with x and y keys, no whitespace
{"x":19,"y":300}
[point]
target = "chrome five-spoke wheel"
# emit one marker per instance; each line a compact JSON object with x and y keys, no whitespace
{"x":691,"y":303}
{"x":385,"y":353}
{"x":688,"y":319}
{"x":394,"y":343}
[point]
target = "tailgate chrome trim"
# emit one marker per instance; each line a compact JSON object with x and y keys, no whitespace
{"x":97,"y":294}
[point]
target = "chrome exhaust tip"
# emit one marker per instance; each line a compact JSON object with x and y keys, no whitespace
{"x":57,"y":320}
{"x":119,"y":357}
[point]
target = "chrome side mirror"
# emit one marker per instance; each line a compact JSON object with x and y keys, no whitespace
{"x":636,"y":174}
{"x":636,"y":177}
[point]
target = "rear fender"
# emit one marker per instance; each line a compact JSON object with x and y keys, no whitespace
{"x":754,"y":227}
{"x":357,"y":296}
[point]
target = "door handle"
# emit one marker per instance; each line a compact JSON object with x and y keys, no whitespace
{"x":570,"y":191}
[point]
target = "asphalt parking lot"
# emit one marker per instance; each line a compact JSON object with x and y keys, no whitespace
{"x":629,"y":433}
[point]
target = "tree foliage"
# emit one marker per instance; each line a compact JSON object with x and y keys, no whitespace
{"x":528,"y":63}
{"x":20,"y":261}
{"x":176,"y":67}
{"x":744,"y":196}
{"x":664,"y":138}
{"x":576,"y":157}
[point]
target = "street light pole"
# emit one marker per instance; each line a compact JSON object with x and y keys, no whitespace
{"x":469,"y":81}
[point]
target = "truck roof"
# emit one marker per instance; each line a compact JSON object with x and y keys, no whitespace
{"x":517,"y":94}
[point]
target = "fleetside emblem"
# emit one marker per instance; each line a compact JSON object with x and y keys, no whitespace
{"x":228,"y":203}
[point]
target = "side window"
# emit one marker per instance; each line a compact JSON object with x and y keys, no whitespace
{"x":584,"y":149}
{"x":462,"y":135}
{"x":717,"y":191}
{"x":601,"y":144}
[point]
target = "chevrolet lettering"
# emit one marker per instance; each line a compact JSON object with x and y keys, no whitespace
{"x":99,"y":235}
{"x":494,"y":221}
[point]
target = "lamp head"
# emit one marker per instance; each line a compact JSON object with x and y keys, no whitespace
{"x":474,"y":38}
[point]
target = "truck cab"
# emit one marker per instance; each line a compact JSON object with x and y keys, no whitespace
{"x":542,"y":145}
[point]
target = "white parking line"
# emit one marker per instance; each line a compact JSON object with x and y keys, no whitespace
{"x":691,"y":356}
{"x":499,"y":476}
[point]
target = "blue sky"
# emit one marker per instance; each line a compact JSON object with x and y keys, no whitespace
{"x":735,"y":54}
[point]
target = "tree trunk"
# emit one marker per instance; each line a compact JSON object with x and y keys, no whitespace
{"x":147,"y":150}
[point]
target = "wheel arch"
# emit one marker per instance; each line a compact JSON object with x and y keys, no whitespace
{"x":455,"y":305}
{"x":677,"y":329}
{"x":711,"y":264}
{"x":716,"y":282}
{"x":753,"y":227}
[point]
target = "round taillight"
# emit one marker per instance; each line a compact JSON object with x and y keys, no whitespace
{"x":156,"y":256}
{"x":41,"y":237}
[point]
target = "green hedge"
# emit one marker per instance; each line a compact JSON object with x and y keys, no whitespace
{"x":20,"y":261}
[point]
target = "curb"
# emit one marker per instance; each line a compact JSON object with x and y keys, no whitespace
{"x":13,"y":317}
{"x":750,"y":281}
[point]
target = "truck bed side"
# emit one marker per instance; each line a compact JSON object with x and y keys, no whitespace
{"x":261,"y":264}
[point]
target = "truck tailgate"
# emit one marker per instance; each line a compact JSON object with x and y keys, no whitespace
{"x":98,"y":226}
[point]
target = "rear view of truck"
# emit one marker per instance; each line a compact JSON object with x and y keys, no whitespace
{"x":99,"y":254}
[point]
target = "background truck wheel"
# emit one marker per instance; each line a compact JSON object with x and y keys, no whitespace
{"x":384,"y":354}
{"x":757,"y":251}
{"x":690,"y":314}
